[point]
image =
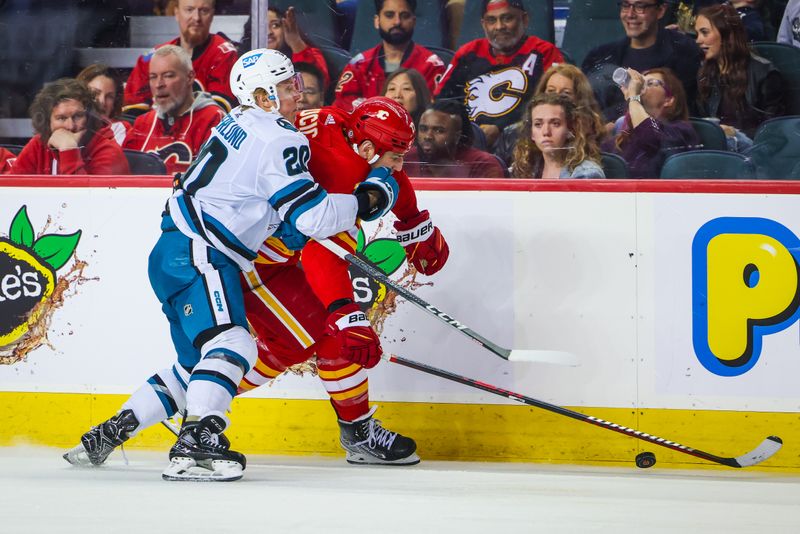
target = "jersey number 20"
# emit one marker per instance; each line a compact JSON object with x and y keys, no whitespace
{"x":296,"y":159}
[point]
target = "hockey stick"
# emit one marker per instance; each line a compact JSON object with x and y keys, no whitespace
{"x":513,"y":355}
{"x":765,"y":450}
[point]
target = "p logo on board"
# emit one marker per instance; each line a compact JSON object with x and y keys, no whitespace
{"x":745,"y":274}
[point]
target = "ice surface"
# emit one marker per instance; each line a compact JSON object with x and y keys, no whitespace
{"x":43,"y":494}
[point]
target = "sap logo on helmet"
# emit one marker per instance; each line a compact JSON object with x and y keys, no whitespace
{"x":251,"y":60}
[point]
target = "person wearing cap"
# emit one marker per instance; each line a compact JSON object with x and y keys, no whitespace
{"x":366,"y":73}
{"x":496,"y":75}
{"x":645,"y":46}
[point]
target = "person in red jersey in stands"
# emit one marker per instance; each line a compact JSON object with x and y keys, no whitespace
{"x":180,"y":121}
{"x":212,"y":56}
{"x":366,"y":73}
{"x":70,"y":137}
{"x":345,"y":148}
{"x":496,"y":75}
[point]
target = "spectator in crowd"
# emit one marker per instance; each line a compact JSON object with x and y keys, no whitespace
{"x":6,"y":160}
{"x":366,"y":73}
{"x":70,"y":137}
{"x":497,"y":74}
{"x":407,"y":87}
{"x":313,"y":94}
{"x":443,"y":148}
{"x":739,"y":88}
{"x":212,"y":56}
{"x":283,"y":35}
{"x":656,"y":124}
{"x":645,"y":46}
{"x":789,"y":31}
{"x":568,"y":81}
{"x":180,"y":120}
{"x":553,"y":143}
{"x":751,"y":18}
{"x":106,"y":85}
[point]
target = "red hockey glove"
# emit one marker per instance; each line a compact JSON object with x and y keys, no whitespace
{"x":358,"y":342}
{"x":425,"y":246}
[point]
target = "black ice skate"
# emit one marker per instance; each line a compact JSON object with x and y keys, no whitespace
{"x":102,"y":439}
{"x":202,"y":454}
{"x":367,"y":442}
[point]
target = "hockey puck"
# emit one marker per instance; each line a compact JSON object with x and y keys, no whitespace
{"x":645,"y":460}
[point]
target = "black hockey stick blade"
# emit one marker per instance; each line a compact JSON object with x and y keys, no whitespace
{"x":764,"y":451}
{"x":516,"y":355}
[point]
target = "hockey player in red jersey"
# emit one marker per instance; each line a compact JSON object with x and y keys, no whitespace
{"x":344,"y":146}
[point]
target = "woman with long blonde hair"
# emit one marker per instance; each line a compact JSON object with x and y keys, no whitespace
{"x":566,"y":80}
{"x":554,"y":142}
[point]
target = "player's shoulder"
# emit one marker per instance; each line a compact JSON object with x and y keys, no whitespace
{"x":319,"y":124}
{"x":535,"y":44}
{"x":145,"y":120}
{"x":222,"y":45}
{"x":423,"y":55}
{"x":365,"y":57}
{"x":476,"y":46}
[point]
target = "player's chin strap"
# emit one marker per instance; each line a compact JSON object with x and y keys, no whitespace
{"x":374,"y":158}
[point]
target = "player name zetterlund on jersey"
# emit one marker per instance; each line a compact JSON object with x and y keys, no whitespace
{"x":231,"y":132}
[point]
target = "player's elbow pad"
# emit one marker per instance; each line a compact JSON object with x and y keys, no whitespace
{"x":381,"y":181}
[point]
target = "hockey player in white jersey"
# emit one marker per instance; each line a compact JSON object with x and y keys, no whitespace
{"x":249,"y":181}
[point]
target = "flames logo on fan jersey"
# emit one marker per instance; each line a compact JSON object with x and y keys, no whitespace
{"x":496,"y":93}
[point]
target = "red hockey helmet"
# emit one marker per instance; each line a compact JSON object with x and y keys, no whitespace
{"x":384,"y":122}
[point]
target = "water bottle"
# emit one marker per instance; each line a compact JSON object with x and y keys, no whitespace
{"x":621,"y":77}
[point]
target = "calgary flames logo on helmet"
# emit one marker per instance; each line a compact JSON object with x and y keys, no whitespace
{"x":495,"y":94}
{"x":384,"y":122}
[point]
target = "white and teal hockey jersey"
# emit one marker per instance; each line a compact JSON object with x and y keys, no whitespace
{"x":251,"y":174}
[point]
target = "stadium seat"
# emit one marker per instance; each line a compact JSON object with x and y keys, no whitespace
{"x":614,"y":166}
{"x":14,"y":149}
{"x":787,"y":59}
{"x":710,"y":134}
{"x":590,"y":24}
{"x":540,"y":21}
{"x":144,"y":162}
{"x":708,"y":164}
{"x":429,"y":30}
{"x":316,"y":18}
{"x":479,"y":138}
{"x":776,"y":149}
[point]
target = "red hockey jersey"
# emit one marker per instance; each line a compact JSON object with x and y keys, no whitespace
{"x":365,"y":75}
{"x":212,"y":63}
{"x":176,"y":141}
{"x":496,"y":88}
{"x":101,"y":155}
{"x":337,"y":167}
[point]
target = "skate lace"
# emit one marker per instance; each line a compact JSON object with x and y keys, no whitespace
{"x":210,"y":438}
{"x":378,"y":436}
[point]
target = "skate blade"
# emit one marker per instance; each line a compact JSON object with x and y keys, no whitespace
{"x":357,"y":458}
{"x":77,"y":456}
{"x":182,"y":469}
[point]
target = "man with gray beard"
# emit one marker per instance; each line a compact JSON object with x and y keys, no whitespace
{"x":180,"y":120}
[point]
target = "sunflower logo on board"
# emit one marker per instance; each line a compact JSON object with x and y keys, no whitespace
{"x":30,"y":289}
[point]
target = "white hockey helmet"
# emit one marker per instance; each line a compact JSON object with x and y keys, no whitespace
{"x":260,"y":68}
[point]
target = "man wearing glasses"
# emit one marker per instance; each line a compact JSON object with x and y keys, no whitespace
{"x":646,"y":46}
